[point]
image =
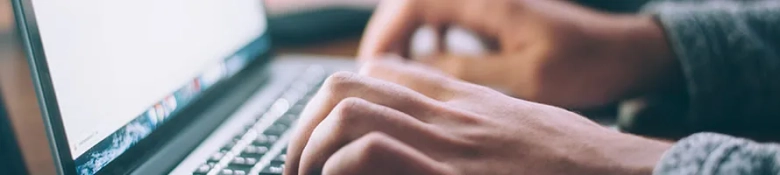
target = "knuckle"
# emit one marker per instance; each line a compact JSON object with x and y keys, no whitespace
{"x":341,"y":81}
{"x":370,"y":146}
{"x":370,"y":67}
{"x":385,"y":63}
{"x":348,"y":111}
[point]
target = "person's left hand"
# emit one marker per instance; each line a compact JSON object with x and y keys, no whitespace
{"x":397,"y":118}
{"x":551,"y":52}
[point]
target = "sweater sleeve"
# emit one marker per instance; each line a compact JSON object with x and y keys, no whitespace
{"x":728,"y":51}
{"x":714,"y":154}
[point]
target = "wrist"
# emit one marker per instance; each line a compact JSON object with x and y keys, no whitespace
{"x":632,"y":155}
{"x":644,"y":55}
{"x":642,"y":155}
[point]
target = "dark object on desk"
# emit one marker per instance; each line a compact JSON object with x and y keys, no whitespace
{"x":11,"y":161}
{"x":658,"y":116}
{"x":320,"y":25}
{"x":317,"y":26}
{"x":622,"y":6}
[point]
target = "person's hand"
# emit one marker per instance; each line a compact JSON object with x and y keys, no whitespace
{"x":547,"y":51}
{"x":397,"y":118}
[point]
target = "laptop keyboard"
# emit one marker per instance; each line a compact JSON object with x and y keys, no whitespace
{"x":262,"y":146}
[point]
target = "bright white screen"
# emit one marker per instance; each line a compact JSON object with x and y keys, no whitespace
{"x":110,"y":60}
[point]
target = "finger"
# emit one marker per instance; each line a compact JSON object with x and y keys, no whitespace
{"x":429,"y":82}
{"x":440,"y":32}
{"x":435,"y":84}
{"x":379,"y":154}
{"x":395,"y":21}
{"x":489,"y":70}
{"x":344,"y":85}
{"x":390,"y":29}
{"x":435,"y":77}
{"x":353,"y":118}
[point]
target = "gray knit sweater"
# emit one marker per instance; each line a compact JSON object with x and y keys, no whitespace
{"x":729,"y":52}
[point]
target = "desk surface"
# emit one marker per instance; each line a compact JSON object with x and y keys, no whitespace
{"x":346,"y":47}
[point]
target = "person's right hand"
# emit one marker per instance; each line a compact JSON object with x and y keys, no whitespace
{"x":379,"y":123}
{"x":547,"y":51}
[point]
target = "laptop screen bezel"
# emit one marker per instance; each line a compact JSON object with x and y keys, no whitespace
{"x":44,"y":89}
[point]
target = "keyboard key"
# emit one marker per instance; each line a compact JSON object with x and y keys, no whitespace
{"x":251,"y":161}
{"x":217,"y":156}
{"x":265,"y":140}
{"x":203,"y":169}
{"x":279,"y":107}
{"x":301,"y":86}
{"x":293,"y":96}
{"x":298,"y":108}
{"x":273,"y":138}
{"x":226,"y":172}
{"x":229,"y":145}
{"x":239,"y":172}
{"x":276,"y":129}
{"x":238,"y":161}
{"x":288,"y":119}
{"x":238,"y":169}
{"x":242,"y":163}
{"x":258,"y":150}
{"x":273,"y":169}
{"x":314,"y":74}
{"x":279,"y":158}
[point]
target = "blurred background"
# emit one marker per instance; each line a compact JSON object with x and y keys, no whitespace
{"x":329,"y":27}
{"x":325,"y":27}
{"x":319,"y":27}
{"x":333,"y":27}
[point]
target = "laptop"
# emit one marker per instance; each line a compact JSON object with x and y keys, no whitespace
{"x":165,"y":87}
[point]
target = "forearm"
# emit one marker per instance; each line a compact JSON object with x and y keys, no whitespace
{"x":714,"y":154}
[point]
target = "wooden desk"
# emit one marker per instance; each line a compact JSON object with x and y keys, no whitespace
{"x":346,"y":47}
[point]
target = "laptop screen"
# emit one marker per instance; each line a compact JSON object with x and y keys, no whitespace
{"x":120,"y":69}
